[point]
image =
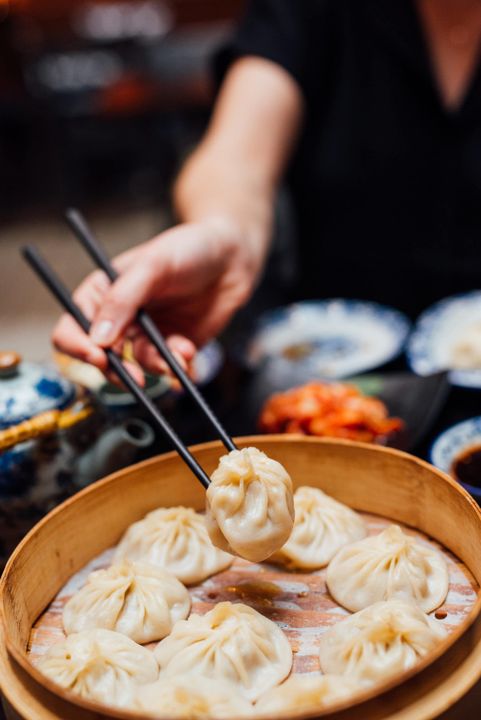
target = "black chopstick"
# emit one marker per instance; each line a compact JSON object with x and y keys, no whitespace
{"x":58,"y":289}
{"x":81,"y":229}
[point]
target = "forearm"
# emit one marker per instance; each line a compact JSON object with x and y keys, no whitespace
{"x":209,"y":188}
{"x":234,"y":174}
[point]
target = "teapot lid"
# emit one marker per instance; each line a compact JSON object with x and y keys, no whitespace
{"x":27,"y":389}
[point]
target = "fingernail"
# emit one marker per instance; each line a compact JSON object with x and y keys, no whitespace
{"x":183,"y":345}
{"x":187,"y":348}
{"x":102,"y":332}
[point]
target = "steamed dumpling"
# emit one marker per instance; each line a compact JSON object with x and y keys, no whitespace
{"x":386,"y":566}
{"x":385,"y":638}
{"x":250,"y":509}
{"x":304,"y":693}
{"x":192,"y":697}
{"x":322,"y":525}
{"x":100,"y":665}
{"x":133,"y":598}
{"x":231,"y":642}
{"x":175,"y":539}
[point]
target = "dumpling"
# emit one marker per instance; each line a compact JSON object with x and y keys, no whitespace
{"x":302,"y":693}
{"x":175,"y":539}
{"x":192,"y":697}
{"x":322,"y":525}
{"x":231,"y":642}
{"x":386,"y":566}
{"x":250,"y":509}
{"x":385,"y":638}
{"x":100,"y":665}
{"x":133,"y":598}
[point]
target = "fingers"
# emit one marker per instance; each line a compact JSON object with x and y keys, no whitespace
{"x":133,"y":369}
{"x":120,"y":304}
{"x":146,"y":354}
{"x":69,"y":338}
{"x":182,"y":347}
{"x":67,"y":335}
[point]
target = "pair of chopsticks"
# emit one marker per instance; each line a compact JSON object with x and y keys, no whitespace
{"x":84,"y":234}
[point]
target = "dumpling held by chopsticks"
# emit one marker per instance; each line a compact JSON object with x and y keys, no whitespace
{"x":250,"y":509}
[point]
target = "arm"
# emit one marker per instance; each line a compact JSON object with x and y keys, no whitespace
{"x":245,"y":149}
{"x":194,"y":276}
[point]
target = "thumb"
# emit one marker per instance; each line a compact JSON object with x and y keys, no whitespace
{"x":120,"y":304}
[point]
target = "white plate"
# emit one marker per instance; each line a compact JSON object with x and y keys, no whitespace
{"x":329,"y":339}
{"x":437,"y":333}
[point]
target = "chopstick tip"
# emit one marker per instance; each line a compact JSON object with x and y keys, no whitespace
{"x":28,"y":251}
{"x":71,"y":214}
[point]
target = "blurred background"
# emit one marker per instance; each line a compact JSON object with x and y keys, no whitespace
{"x":100,"y":100}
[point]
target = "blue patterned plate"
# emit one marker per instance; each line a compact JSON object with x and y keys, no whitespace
{"x":327,"y":339}
{"x":447,"y":336}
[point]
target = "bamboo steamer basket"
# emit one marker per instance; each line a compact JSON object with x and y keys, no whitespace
{"x":446,"y":684}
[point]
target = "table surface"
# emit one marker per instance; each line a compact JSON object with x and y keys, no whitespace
{"x":227,"y":396}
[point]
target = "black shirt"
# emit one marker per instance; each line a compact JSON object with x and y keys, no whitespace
{"x":386,"y":182}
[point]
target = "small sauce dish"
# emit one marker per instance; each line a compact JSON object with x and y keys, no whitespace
{"x":457,"y":451}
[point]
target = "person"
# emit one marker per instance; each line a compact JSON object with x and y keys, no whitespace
{"x":372,"y":112}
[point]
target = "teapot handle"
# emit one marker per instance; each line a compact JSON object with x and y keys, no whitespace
{"x":43,"y":424}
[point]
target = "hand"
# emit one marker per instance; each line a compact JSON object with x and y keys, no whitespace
{"x":191,"y":279}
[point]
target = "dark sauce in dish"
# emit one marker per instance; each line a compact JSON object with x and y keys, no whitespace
{"x":466,"y":466}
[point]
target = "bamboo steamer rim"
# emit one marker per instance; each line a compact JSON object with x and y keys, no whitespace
{"x":21,"y":657}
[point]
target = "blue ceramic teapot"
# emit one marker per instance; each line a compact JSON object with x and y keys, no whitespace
{"x":55,"y":438}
